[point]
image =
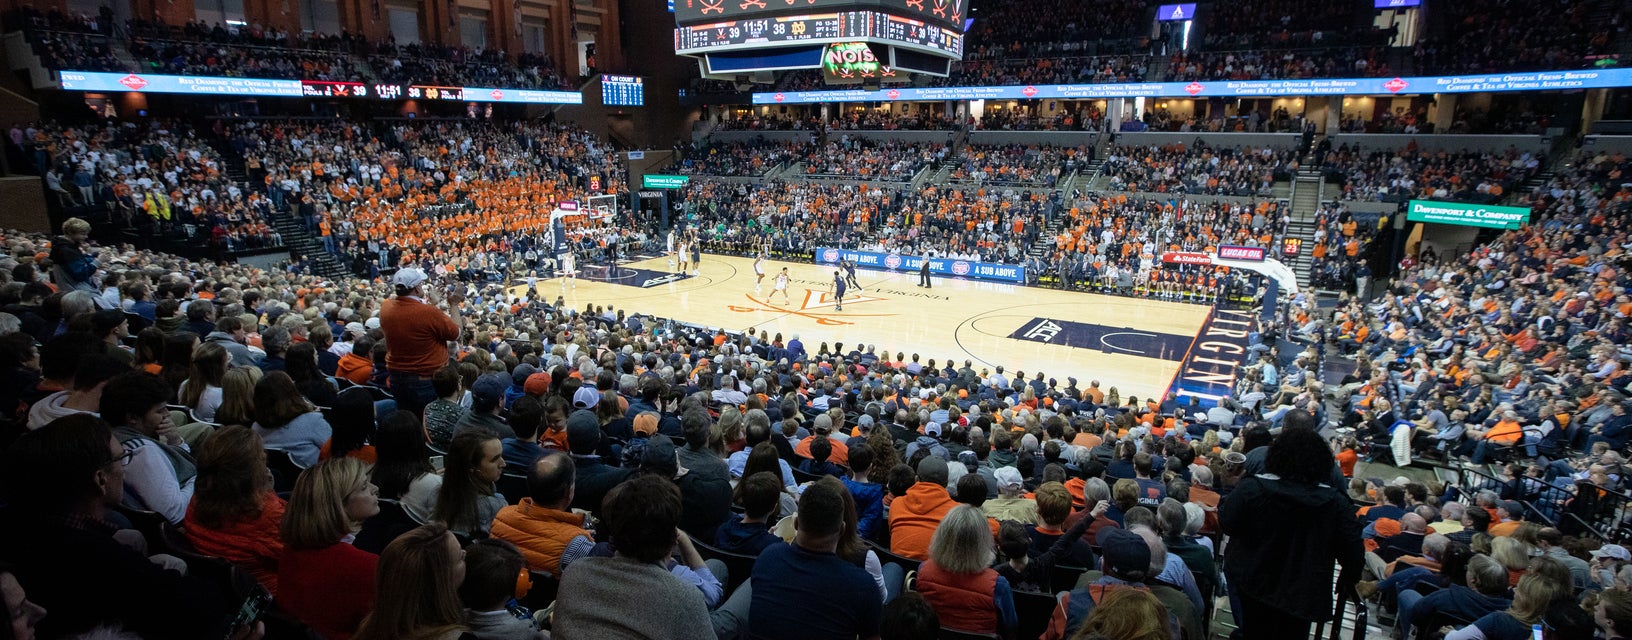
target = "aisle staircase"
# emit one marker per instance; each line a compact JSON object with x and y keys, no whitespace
{"x":297,"y":239}
{"x":1307,"y":188}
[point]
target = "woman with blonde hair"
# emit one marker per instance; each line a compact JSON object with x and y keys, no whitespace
{"x":323,"y":580}
{"x":201,"y":391}
{"x":418,"y":588}
{"x":238,"y":396}
{"x":1513,"y":556}
{"x":1531,"y":598}
{"x":1127,"y":614}
{"x":958,"y":576}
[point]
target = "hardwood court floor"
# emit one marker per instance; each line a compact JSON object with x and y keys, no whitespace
{"x":1133,"y":344}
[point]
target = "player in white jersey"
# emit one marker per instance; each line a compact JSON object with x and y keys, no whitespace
{"x":781,"y":286}
{"x":759,"y":271}
{"x":668,"y":249}
{"x":569,"y":270}
{"x":685,"y":251}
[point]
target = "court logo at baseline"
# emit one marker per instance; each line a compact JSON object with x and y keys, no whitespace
{"x":815,"y":305}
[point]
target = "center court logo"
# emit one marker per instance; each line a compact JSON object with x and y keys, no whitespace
{"x":960,"y":268}
{"x":1043,"y":331}
{"x":892,"y":262}
{"x":830,"y":255}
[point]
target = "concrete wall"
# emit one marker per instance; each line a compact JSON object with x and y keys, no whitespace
{"x":1385,"y":208}
{"x":1441,"y":142}
{"x":25,"y":204}
{"x":1057,"y":138}
{"x":1158,"y":138}
{"x":933,"y":137}
{"x":1608,"y":144}
{"x":1194,"y":197}
{"x":747,"y":136}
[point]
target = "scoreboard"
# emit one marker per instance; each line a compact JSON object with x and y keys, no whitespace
{"x":623,"y":91}
{"x":946,"y":14}
{"x":843,"y":26}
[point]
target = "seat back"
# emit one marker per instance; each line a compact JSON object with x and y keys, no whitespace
{"x":284,"y":470}
{"x":884,"y":556}
{"x":1064,"y":577}
{"x":740,"y":565}
{"x":514,"y":487}
{"x":1034,"y":610}
{"x":802,"y":477}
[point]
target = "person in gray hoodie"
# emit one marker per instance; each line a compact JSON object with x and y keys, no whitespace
{"x":230,"y":334}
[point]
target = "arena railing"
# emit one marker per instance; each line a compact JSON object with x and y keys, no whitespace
{"x":1556,"y":504}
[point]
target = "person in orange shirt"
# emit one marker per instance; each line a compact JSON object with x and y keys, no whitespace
{"x":914,"y":516}
{"x":1507,"y":432}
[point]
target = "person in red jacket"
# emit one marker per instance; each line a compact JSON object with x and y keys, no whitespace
{"x":234,"y":513}
{"x":914,"y":516}
{"x":324,"y":581}
{"x":958,"y":580}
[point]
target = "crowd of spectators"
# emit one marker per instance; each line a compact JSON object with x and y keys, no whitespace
{"x":753,"y":158}
{"x":160,"y":177}
{"x":879,"y":121}
{"x":1042,"y":70}
{"x":1277,"y":64}
{"x":88,"y":52}
{"x":417,"y":193}
{"x":1019,"y":164}
{"x":1083,"y":116}
{"x":1290,"y":24}
{"x":1197,"y":168}
{"x":767,"y":122}
{"x":954,"y":472}
{"x":1113,"y":242}
{"x":1011,"y":30}
{"x":213,"y":59}
{"x":865,"y":158}
{"x":1338,"y":255}
{"x":1409,"y":173}
{"x":84,"y":42}
{"x":1492,"y":36}
{"x":459,"y":66}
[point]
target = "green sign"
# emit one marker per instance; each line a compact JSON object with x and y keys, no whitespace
{"x":1469,"y":215}
{"x":657,"y":181}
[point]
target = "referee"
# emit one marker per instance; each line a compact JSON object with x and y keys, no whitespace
{"x":923,"y":272}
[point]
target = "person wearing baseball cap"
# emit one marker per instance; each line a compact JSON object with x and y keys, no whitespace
{"x":418,"y":334}
{"x":486,"y":398}
{"x":1509,"y":514}
{"x":594,"y":477}
{"x":1011,"y":503}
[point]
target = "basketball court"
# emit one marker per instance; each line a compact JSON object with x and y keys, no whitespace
{"x":1135,"y":344}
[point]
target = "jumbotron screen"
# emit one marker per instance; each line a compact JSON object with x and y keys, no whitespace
{"x":945,"y":14}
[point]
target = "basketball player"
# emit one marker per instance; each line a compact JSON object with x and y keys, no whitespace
{"x":759,"y":271}
{"x":781,"y":286}
{"x":696,"y":255}
{"x":569,"y":270}
{"x":850,"y":273}
{"x":668,"y":249}
{"x":683,"y":251}
{"x":838,"y":290}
